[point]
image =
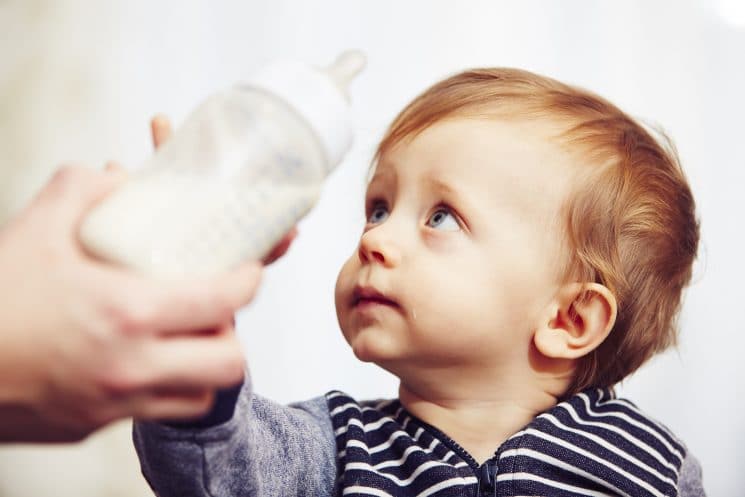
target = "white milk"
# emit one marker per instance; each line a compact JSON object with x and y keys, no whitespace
{"x":240,"y":172}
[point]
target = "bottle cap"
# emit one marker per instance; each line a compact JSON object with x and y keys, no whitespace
{"x":319,"y":96}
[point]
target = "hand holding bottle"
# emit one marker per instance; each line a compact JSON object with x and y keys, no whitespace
{"x":83,"y":343}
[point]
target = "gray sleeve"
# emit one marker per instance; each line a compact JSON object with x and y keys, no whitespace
{"x":265,"y":449}
{"x":690,"y":481}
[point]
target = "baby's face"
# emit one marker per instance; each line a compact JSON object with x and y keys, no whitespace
{"x":461,"y":249}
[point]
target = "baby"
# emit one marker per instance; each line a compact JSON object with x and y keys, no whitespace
{"x":525,"y":249}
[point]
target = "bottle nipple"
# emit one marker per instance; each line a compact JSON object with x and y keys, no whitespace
{"x":343,"y":70}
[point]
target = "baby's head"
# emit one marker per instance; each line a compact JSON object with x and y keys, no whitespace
{"x":518,"y":229}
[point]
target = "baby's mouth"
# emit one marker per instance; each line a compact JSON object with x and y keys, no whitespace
{"x":368,"y":296}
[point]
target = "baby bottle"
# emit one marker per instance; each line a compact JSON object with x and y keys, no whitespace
{"x":244,"y":167}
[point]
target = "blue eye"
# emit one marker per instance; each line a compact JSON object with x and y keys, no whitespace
{"x":443,"y":219}
{"x":378,"y":214}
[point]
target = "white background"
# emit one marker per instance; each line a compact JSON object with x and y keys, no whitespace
{"x":79,"y":80}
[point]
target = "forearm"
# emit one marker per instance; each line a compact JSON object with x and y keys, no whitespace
{"x":690,"y":482}
{"x":263,"y":449}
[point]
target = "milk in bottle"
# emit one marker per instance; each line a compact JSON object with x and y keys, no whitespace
{"x":245,"y":166}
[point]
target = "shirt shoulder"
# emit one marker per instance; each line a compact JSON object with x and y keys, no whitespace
{"x":597,"y":439}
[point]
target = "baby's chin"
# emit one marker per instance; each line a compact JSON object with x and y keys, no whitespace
{"x":372,"y":345}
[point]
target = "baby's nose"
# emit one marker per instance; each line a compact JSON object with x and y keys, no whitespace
{"x":377,"y":246}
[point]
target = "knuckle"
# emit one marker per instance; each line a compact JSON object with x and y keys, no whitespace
{"x":117,"y":381}
{"x":131,"y":320}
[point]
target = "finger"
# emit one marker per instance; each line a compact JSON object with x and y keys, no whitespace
{"x":73,"y":190}
{"x":204,"y":362}
{"x":143,"y":305}
{"x":240,"y":284}
{"x":207,"y":303}
{"x":160,"y":128}
{"x":170,"y":406}
{"x":281,"y":248}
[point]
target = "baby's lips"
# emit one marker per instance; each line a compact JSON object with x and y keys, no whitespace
{"x":367,"y":293}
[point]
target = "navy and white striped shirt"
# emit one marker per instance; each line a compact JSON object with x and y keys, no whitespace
{"x":592,"y":444}
{"x":333,"y":445}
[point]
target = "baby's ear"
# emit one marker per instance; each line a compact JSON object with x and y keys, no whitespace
{"x":576,"y":322}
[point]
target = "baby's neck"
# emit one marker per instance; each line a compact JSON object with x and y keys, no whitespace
{"x":479,"y":424}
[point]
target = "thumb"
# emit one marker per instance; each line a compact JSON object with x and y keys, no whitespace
{"x":74,"y":190}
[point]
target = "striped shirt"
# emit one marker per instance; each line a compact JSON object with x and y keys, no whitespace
{"x":593,"y":444}
{"x":333,"y":445}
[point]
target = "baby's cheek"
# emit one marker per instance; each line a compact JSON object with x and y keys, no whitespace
{"x":344,"y":282}
{"x":444,"y":243}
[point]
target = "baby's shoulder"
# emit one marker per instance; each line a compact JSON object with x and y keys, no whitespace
{"x":613,"y":432}
{"x":595,"y":421}
{"x":601,"y":409}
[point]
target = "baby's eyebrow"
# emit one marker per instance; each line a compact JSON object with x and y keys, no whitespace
{"x":451,"y":193}
{"x":381,"y":180}
{"x":383,"y":176}
{"x":441,"y":186}
{"x":445,"y":188}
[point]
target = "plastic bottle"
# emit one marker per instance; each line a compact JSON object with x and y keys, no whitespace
{"x":245,"y":166}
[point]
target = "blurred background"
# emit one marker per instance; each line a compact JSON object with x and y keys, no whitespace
{"x":80,"y":79}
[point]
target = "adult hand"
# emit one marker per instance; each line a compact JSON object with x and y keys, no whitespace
{"x":83,"y":343}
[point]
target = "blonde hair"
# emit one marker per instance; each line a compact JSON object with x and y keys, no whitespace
{"x":630,"y":224}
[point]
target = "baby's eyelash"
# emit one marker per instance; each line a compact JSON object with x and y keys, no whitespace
{"x":452,"y":211}
{"x":374,"y":203}
{"x":444,"y":207}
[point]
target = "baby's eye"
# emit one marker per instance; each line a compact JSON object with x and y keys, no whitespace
{"x":378,"y":214}
{"x":443,"y":219}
